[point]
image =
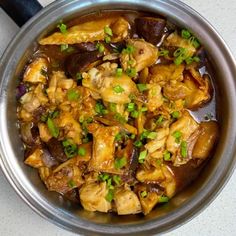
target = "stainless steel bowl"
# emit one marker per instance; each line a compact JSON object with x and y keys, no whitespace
{"x":63,"y":213}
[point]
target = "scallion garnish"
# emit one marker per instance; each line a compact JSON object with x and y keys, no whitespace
{"x":142,"y":156}
{"x":120,"y":162}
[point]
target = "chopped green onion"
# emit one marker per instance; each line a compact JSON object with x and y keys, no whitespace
{"x":178,"y":61}
{"x":142,"y":156}
{"x":116,"y":179}
{"x":107,"y":39}
{"x":54,"y":114}
{"x":144,"y":134}
{"x":167,"y":156}
{"x":120,"y":162}
{"x":120,"y":118}
{"x":100,"y":47}
{"x":118,"y":89}
{"x":143,"y":194}
{"x":79,"y":76}
{"x":185,"y":34}
{"x":160,"y":120}
{"x":71,"y":184}
{"x":134,"y":114}
{"x":196,"y":59}
{"x":44,"y":117}
{"x":163,"y":53}
{"x":64,"y":47}
{"x":180,"y":52}
{"x":103,"y":177}
{"x":54,"y":131}
{"x":194,"y":41}
{"x":131,"y":72}
{"x":118,"y":137}
{"x":143,"y":109}
{"x":62,"y":27}
{"x":152,"y":135}
{"x":142,"y":87}
{"x":81,"y":151}
{"x":108,"y":31}
{"x":129,"y":49}
{"x":131,"y":106}
{"x":177,"y":135}
{"x":132,"y":96}
{"x":72,"y":95}
{"x":175,"y":114}
{"x":70,"y":148}
{"x":100,"y":109}
{"x":112,"y":107}
{"x":189,"y":60}
{"x":89,"y":120}
{"x":163,"y":199}
{"x":132,"y":136}
{"x":138,"y":143}
{"x":183,"y":149}
{"x":110,"y":195}
{"x":119,"y":72}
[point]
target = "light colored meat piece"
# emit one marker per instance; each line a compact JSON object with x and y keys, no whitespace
{"x":89,"y":32}
{"x":144,"y":55}
{"x":155,"y":98}
{"x":93,"y":197}
{"x":36,"y":71}
{"x":58,"y":86}
{"x":175,"y":40}
{"x":127,"y":202}
{"x":189,"y":130}
{"x":103,"y":148}
{"x":65,"y":179}
{"x":159,"y":141}
{"x":35,"y":159}
{"x":162,"y":74}
{"x":104,"y":84}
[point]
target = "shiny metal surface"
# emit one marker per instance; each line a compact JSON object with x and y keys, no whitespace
{"x":185,"y":205}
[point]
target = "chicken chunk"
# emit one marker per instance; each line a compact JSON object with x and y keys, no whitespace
{"x":106,"y":85}
{"x":103,"y":148}
{"x":144,"y":55}
{"x":127,"y":202}
{"x":155,"y":98}
{"x":184,"y":130}
{"x":64,"y":179}
{"x":93,"y":197}
{"x":35,"y":159}
{"x":36,"y":72}
{"x":159,"y":141}
{"x":162,"y":74}
{"x":58,"y":86}
{"x":175,"y":40}
{"x":89,"y":32}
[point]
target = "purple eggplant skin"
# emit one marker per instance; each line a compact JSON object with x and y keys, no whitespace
{"x":150,"y":28}
{"x":29,"y":133}
{"x":80,"y":62}
{"x":56,"y":150}
{"x":21,"y":90}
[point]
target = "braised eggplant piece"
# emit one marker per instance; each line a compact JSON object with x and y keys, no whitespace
{"x":150,"y":28}
{"x":80,"y":62}
{"x":105,"y":110}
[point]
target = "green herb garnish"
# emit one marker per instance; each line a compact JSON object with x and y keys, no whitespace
{"x":163,"y":199}
{"x":72,"y":95}
{"x":142,"y":156}
{"x":100,"y":47}
{"x":177,"y":135}
{"x":118,"y":89}
{"x":120,"y":162}
{"x":183,"y":149}
{"x":81,"y":151}
{"x":108,"y":31}
{"x":119,"y":72}
{"x":142,"y":87}
{"x":62,"y":27}
{"x":131,"y":72}
{"x":54,"y":131}
{"x":175,"y":114}
{"x":185,"y":34}
{"x":71,"y":184}
{"x":143,"y":194}
{"x":167,"y":156}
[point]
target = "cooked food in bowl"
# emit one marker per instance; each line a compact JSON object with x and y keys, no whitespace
{"x":117,"y":111}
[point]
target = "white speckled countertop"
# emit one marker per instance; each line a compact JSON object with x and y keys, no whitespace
{"x":17,"y":219}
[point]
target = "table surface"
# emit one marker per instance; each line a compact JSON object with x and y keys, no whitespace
{"x":218,"y":219}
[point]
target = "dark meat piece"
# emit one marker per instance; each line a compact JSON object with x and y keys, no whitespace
{"x":48,"y":159}
{"x":150,"y":28}
{"x":86,"y":47}
{"x":29,"y":133}
{"x":56,"y":149}
{"x":80,"y":62}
